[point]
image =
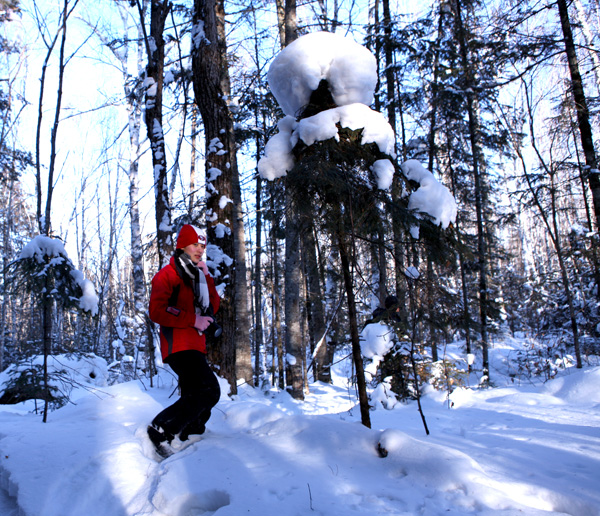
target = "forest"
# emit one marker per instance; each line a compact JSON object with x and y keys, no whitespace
{"x":122,"y":120}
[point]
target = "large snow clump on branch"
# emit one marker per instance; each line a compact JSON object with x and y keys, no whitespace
{"x":431,"y":197}
{"x":351,"y":74}
{"x":349,"y":68}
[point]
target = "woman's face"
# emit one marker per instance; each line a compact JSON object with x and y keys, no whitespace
{"x":195,"y":251}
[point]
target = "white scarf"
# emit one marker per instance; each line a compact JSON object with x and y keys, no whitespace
{"x":199,"y":286}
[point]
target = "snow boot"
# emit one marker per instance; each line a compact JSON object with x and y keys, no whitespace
{"x":160,"y":440}
{"x":196,"y":428}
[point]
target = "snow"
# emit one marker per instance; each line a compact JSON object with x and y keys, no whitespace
{"x":431,"y":197}
{"x":151,"y":86}
{"x":88,"y":302}
{"x":412,"y":272}
{"x":529,"y":448}
{"x":323,"y":126}
{"x":384,"y":171}
{"x":350,"y":69}
{"x":376,"y":339}
{"x":278,"y":158}
{"x":351,"y":72}
{"x":198,"y":35}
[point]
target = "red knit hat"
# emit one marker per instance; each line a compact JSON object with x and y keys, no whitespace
{"x":190,"y":235}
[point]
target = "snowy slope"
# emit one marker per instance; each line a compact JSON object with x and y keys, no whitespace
{"x":503,"y":451}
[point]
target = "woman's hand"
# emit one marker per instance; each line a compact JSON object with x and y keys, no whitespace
{"x":202,"y":322}
{"x":203,"y":267}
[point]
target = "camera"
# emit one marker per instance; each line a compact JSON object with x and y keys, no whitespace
{"x":214,"y":330}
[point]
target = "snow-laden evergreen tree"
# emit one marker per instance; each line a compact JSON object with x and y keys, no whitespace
{"x":338,"y":158}
{"x":44,"y":271}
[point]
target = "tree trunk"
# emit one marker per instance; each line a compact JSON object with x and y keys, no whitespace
{"x":6,"y":257}
{"x":47,"y":344}
{"x":293,"y":335}
{"x":44,"y":220}
{"x":354,"y":335}
{"x":277,"y":330}
{"x":390,"y":80}
{"x":432,"y":150}
{"x":134,"y":96}
{"x":194,"y":137}
{"x":155,"y":49}
{"x":478,"y":191}
{"x":431,"y":310}
{"x":315,"y":304}
{"x":258,"y":293}
{"x":583,"y":115}
{"x":223,"y":204}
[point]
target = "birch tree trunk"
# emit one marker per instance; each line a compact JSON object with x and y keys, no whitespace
{"x":6,"y":257}
{"x":582,"y":18}
{"x":134,"y":95}
{"x":224,"y":204}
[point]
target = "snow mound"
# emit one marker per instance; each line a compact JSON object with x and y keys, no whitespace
{"x":349,"y":68}
{"x":583,"y":387}
{"x":68,"y":373}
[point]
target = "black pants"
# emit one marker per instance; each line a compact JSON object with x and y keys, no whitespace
{"x":200,"y":392}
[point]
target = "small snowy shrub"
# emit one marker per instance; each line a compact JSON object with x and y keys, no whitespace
{"x":538,"y":359}
{"x":448,"y":374}
{"x":25,"y":383}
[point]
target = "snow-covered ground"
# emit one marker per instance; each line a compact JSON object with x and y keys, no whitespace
{"x":527,"y":449}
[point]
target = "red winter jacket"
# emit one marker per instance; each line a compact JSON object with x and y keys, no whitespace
{"x":172,"y":307}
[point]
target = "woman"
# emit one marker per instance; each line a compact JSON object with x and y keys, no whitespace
{"x":183,"y":295}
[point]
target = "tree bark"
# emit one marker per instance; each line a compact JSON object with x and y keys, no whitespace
{"x":354,"y":335}
{"x":258,"y":326}
{"x":44,"y":220}
{"x":134,"y":95}
{"x":277,"y":331}
{"x":293,"y":340}
{"x":155,"y":49}
{"x":314,"y":296}
{"x":293,"y":335}
{"x":583,"y":115}
{"x":6,"y":257}
{"x":224,"y":210}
